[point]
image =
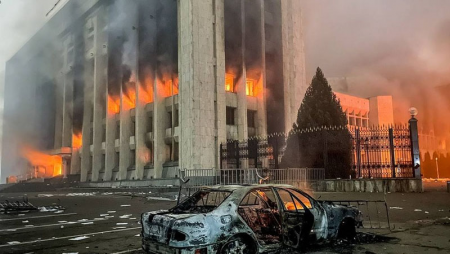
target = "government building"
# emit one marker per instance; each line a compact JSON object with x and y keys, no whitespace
{"x":116,"y":90}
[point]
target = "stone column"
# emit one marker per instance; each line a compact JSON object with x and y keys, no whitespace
{"x":415,"y":150}
{"x":159,"y":128}
{"x":220,"y":101}
{"x":261,"y":99}
{"x":89,"y":35}
{"x":99,"y":91}
{"x":241,"y":87}
{"x":130,"y":60}
{"x":293,"y":60}
{"x":197,"y":75}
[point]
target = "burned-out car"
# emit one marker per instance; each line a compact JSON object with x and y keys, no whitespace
{"x":246,"y":219}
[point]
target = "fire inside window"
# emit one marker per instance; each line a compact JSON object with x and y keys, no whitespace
{"x":250,"y":87}
{"x":229,"y":83}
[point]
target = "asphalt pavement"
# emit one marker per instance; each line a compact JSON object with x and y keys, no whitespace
{"x":109,"y":223}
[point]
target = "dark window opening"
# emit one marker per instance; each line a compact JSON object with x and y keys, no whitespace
{"x":230,"y":116}
{"x":251,"y":118}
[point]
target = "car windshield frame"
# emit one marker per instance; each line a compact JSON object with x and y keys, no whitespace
{"x":189,"y":205}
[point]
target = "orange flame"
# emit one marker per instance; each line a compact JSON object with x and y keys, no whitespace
{"x":113,"y":105}
{"x":129,"y":96}
{"x":51,"y":163}
{"x":229,"y":83}
{"x":77,"y":140}
{"x":250,"y":87}
{"x":146,"y":92}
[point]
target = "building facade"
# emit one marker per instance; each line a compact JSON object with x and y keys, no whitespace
{"x":130,"y":90}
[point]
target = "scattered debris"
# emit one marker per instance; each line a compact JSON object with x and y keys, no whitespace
{"x":79,"y":238}
{"x":417,"y":210}
{"x":126,"y":216}
{"x":396,"y":208}
{"x":17,"y":206}
{"x":161,"y":198}
{"x":44,"y":195}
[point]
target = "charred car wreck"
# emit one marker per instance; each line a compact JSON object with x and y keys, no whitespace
{"x":246,"y":219}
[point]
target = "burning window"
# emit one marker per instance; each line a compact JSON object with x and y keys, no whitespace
{"x":229,"y":83}
{"x":250,"y":87}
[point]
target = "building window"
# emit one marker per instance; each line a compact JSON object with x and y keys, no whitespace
{"x":175,"y":119}
{"x":251,"y":118}
{"x":132,"y":157}
{"x":230,"y":116}
{"x":133,"y":127}
{"x":169,"y":120}
{"x":150,"y":124}
{"x":175,"y":151}
{"x":250,"y":87}
{"x":229,"y":83}
{"x":118,"y":130}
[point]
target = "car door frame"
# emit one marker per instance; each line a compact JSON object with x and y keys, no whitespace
{"x":301,"y":215}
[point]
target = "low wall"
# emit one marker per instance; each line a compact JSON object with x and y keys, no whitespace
{"x":132,"y":183}
{"x":404,"y":185}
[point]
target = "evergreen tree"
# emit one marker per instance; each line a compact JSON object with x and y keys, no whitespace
{"x":325,"y":147}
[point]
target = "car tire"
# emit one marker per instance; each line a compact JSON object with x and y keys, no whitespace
{"x":238,"y":245}
{"x":347,"y":229}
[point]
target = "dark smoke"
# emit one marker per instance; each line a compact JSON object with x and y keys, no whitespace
{"x":391,"y":47}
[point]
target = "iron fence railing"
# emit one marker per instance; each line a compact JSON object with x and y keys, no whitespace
{"x":291,"y":176}
{"x":376,"y":152}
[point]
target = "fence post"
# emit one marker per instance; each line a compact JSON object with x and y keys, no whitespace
{"x":325,"y":149}
{"x":275,"y":152}
{"x":237,"y":153}
{"x":358,"y":151}
{"x":392,"y":151}
{"x":221,"y":155}
{"x":415,"y":152}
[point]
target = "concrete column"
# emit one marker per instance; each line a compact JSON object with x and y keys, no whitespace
{"x":196,"y":63}
{"x":86,"y":165}
{"x":110,"y":144}
{"x":142,"y":151}
{"x":293,"y":60}
{"x":99,"y":90}
{"x":415,"y":149}
{"x":67,"y":111}
{"x":159,"y":128}
{"x":129,"y":59}
{"x":220,"y":101}
{"x":59,"y":77}
{"x":261,"y":117}
{"x":75,"y":162}
{"x":59,"y":109}
{"x":241,"y":87}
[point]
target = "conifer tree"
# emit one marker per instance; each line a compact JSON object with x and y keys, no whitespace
{"x":312,"y":143}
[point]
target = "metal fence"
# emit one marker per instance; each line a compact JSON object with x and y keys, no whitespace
{"x":291,"y":176}
{"x":377,"y":152}
{"x":382,"y":152}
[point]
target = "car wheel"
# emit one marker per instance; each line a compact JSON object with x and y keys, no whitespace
{"x":238,"y":245}
{"x":347,"y":229}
